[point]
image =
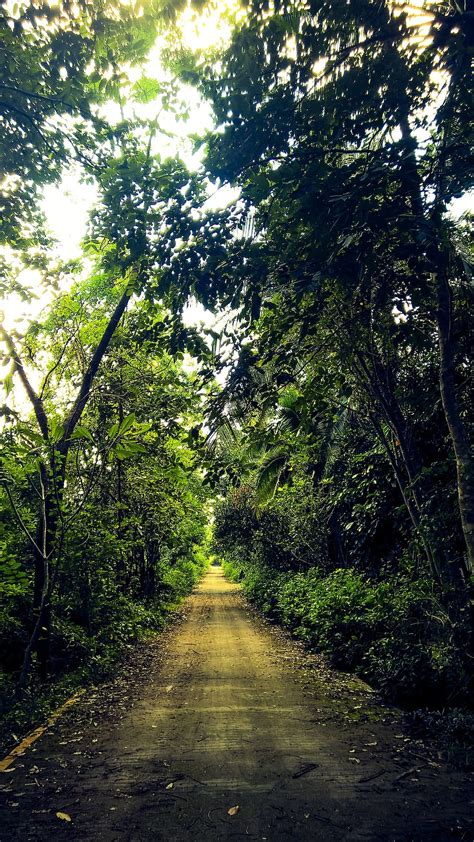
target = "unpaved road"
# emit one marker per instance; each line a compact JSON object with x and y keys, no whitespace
{"x":221,"y":712}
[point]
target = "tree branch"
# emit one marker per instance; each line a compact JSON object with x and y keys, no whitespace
{"x":20,"y":520}
{"x":56,"y":364}
{"x":84,"y":391}
{"x":35,"y":400}
{"x":42,"y":97}
{"x":6,"y":106}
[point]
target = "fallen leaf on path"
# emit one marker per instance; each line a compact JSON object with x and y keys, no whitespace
{"x":65,"y":817}
{"x":232,"y":811}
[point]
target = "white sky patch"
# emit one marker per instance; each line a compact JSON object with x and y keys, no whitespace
{"x":17,"y":313}
{"x":67,"y":207}
{"x":464,"y":204}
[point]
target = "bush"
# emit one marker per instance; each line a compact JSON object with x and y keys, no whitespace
{"x":394,"y":634}
{"x":233,"y":571}
{"x":181,"y":577}
{"x":87,"y":650}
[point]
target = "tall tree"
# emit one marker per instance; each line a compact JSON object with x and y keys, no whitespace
{"x":347,"y":127}
{"x":140,"y":221}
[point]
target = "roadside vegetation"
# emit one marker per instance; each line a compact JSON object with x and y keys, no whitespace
{"x":345,"y":428}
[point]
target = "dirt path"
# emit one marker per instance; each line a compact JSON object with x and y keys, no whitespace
{"x":224,"y":712}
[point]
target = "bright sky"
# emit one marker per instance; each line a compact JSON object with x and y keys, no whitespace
{"x":67,"y":205}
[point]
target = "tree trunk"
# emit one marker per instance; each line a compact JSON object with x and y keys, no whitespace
{"x":457,"y":428}
{"x":447,"y":347}
{"x":47,"y":541}
{"x":416,"y":489}
{"x":52,"y":478}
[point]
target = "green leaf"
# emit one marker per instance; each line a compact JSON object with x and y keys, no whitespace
{"x":114,"y":430}
{"x":146,"y":89}
{"x":126,"y":449}
{"x":8,"y":380}
{"x":127,"y":424}
{"x":82,"y":433}
{"x":56,"y":431}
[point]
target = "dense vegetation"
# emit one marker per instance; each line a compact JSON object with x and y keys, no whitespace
{"x":339,"y":446}
{"x":346,"y":422}
{"x":104,"y":515}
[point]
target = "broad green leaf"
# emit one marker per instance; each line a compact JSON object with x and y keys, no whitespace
{"x":82,"y":432}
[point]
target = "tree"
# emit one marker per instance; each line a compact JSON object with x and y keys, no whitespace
{"x":79,"y":332}
{"x":329,"y":124}
{"x":142,"y":200}
{"x":144,"y":226}
{"x":59,"y":64}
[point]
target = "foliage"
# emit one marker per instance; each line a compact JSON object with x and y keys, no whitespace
{"x":58,"y":64}
{"x":84,"y":655}
{"x":131,"y":509}
{"x":392,"y":633}
{"x":347,"y":136}
{"x":343,"y":433}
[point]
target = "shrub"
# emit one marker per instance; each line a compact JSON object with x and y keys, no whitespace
{"x":394,"y":633}
{"x":180,"y":578}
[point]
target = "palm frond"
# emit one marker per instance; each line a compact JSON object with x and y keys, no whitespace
{"x":269,"y":475}
{"x":331,"y":446}
{"x":288,"y":420}
{"x":256,"y":448}
{"x":222,"y":438}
